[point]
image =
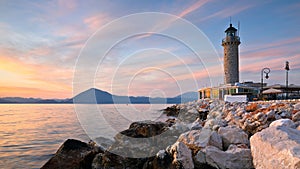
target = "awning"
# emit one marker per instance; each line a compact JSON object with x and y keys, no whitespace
{"x":272,"y":91}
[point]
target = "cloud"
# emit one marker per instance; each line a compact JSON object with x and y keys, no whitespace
{"x":193,"y":7}
{"x":230,"y":11}
{"x":94,"y":22}
{"x":278,"y":43}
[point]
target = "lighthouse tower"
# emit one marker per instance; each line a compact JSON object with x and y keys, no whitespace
{"x":231,"y":55}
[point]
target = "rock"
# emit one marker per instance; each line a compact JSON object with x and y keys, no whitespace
{"x":172,"y":111}
{"x":297,"y":106}
{"x":162,"y":160}
{"x":200,"y":161}
{"x":233,"y":158}
{"x":188,"y":116}
{"x":212,"y":123}
{"x":252,"y":107}
{"x":73,"y":154}
{"x":108,"y":160}
{"x":203,"y":113}
{"x":283,"y":122}
{"x":276,"y":147}
{"x":196,"y":125}
{"x":182,"y":156}
{"x":232,"y":135}
{"x":143,"y":139}
{"x":196,"y":139}
{"x":144,"y":129}
{"x":296,"y":117}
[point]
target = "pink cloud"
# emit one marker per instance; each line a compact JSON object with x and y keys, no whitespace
{"x":193,"y":7}
{"x":96,"y":21}
{"x":225,"y":13}
{"x":280,"y":43}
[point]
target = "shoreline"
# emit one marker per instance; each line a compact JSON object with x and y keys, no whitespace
{"x":209,"y":133}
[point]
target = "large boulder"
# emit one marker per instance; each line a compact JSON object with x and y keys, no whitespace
{"x":232,"y":135}
{"x":142,"y":139}
{"x":296,"y":117}
{"x":172,"y":111}
{"x":188,"y":116}
{"x":182,"y":156}
{"x":144,"y":129}
{"x":109,"y":160}
{"x":73,"y":154}
{"x":234,"y":158}
{"x":199,"y":139}
{"x":297,"y":106}
{"x":283,"y":122}
{"x":276,"y":147}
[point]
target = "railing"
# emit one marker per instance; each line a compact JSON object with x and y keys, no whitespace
{"x":231,"y":39}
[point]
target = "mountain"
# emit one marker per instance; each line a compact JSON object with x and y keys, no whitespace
{"x":93,"y":95}
{"x":96,"y":96}
{"x":33,"y":100}
{"x":188,"y":96}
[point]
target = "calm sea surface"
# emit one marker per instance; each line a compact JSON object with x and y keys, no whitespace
{"x":31,"y":133}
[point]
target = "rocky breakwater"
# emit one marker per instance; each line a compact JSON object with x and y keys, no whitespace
{"x":202,"y":134}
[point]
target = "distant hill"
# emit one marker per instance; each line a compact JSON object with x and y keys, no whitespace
{"x":33,"y":100}
{"x":96,"y":96}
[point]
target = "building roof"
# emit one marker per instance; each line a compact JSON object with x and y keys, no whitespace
{"x":230,"y":29}
{"x":272,"y":91}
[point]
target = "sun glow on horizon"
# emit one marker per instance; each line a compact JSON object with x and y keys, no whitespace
{"x":39,"y":49}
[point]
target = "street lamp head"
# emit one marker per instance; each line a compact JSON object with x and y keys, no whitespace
{"x":287,"y":66}
{"x":267,"y":75}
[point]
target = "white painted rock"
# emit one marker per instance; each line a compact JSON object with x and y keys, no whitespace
{"x":233,"y":158}
{"x":232,"y":135}
{"x":283,"y":122}
{"x":199,"y":139}
{"x":182,"y":156}
{"x":276,"y":147}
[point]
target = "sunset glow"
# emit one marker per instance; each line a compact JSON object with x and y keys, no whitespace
{"x":40,"y":42}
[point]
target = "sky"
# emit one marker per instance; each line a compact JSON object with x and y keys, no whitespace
{"x":57,"y":48}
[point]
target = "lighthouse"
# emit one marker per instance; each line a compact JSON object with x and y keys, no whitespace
{"x":231,"y":44}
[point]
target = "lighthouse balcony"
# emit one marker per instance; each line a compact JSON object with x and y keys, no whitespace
{"x":231,"y":39}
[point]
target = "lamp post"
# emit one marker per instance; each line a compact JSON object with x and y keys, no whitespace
{"x":264,"y":71}
{"x":287,"y":68}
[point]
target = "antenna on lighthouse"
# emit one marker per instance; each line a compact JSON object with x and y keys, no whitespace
{"x":230,"y":20}
{"x":238,"y":28}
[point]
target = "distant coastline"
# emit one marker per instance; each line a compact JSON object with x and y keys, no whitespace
{"x":96,"y":96}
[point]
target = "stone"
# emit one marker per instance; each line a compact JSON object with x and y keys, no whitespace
{"x":182,"y":156}
{"x":172,"y":111}
{"x":188,"y":116}
{"x":144,"y":129}
{"x":143,"y":139}
{"x":108,"y":160}
{"x":196,"y":125}
{"x":196,"y":139}
{"x":252,"y":107}
{"x":162,"y":160}
{"x":297,"y":106}
{"x":283,"y":122}
{"x":73,"y":154}
{"x":276,"y":147}
{"x":232,"y":135}
{"x":233,"y":158}
{"x":296,"y":117}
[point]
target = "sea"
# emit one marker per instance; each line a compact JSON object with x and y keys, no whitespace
{"x":30,"y":134}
